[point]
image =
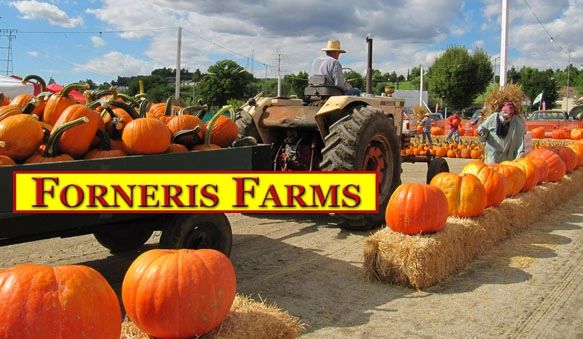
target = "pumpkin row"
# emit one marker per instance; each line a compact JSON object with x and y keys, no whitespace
{"x":418,"y":208}
{"x":49,"y":128}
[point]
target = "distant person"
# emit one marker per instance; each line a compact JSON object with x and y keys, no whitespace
{"x":329,"y":66}
{"x":503,"y":132}
{"x":426,"y":124}
{"x":454,"y":127}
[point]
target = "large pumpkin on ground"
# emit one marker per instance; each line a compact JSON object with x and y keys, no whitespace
{"x":494,"y":182}
{"x":530,"y":170}
{"x":568,"y":156}
{"x":179,"y":293}
{"x":416,"y":209}
{"x":71,"y":301}
{"x":466,"y":196}
{"x":557,"y":167}
{"x":578,"y":149}
{"x":515,"y":177}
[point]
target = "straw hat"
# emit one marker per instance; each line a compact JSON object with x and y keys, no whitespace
{"x":333,"y":45}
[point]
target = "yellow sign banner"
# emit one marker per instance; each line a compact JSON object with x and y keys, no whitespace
{"x":175,"y":192}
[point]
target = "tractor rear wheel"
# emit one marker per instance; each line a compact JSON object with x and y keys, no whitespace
{"x":364,"y":141}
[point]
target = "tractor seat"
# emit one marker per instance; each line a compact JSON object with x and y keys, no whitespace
{"x":317,"y":87}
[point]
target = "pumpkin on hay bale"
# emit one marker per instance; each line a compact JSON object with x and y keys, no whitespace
{"x":421,"y":261}
{"x":247,"y":319}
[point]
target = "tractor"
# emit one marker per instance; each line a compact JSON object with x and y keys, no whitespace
{"x":330,"y":131}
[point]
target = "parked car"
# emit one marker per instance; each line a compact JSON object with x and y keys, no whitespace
{"x":409,"y":123}
{"x":547,"y":115}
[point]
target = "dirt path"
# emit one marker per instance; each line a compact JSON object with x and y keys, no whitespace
{"x":528,"y":286}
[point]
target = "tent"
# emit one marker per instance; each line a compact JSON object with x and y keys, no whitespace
{"x":55,"y":88}
{"x":12,"y":86}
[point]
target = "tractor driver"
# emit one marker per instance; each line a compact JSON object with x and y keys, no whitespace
{"x":329,"y":66}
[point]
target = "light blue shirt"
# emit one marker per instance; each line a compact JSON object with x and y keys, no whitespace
{"x":331,"y":69}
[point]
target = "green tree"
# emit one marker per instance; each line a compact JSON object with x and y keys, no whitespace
{"x":225,"y":80}
{"x":534,"y":81}
{"x":457,"y":77}
{"x":295,"y":84}
{"x":355,"y":79}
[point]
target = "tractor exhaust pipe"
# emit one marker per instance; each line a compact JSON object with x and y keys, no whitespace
{"x":369,"y":66}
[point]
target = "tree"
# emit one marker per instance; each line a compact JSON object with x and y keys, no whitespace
{"x":457,"y":77}
{"x":225,"y":80}
{"x":355,"y":79}
{"x":534,"y":82}
{"x":294,"y":84}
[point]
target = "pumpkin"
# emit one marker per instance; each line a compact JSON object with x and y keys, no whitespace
{"x":9,"y":110}
{"x":104,"y":149}
{"x":76,"y":141}
{"x":578,"y":149}
{"x":436,"y":130}
{"x":466,"y":195}
{"x":145,"y":135}
{"x":515,"y":177}
{"x":71,"y":301}
{"x":556,"y":166}
{"x":542,"y":168}
{"x":179,"y":293}
{"x":6,"y":161}
{"x":163,"y":111}
{"x":530,"y":170}
{"x":21,"y":100}
{"x":416,"y":209}
{"x":224,"y":130}
{"x":576,"y":133}
{"x":494,"y":182}
{"x":177,"y":148}
{"x":4,"y":100}
{"x":20,"y":136}
{"x":559,"y":133}
{"x":49,"y":154}
{"x":440,"y":151}
{"x":182,"y":122}
{"x":568,"y":156}
{"x":57,"y":103}
{"x":538,"y":132}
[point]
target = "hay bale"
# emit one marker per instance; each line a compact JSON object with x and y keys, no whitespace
{"x":423,"y":260}
{"x":497,"y":95}
{"x":247,"y":319}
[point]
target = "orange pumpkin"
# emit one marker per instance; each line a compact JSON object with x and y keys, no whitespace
{"x":20,"y":136}
{"x":515,"y":177}
{"x":21,"y":100}
{"x":538,"y":132}
{"x":576,"y":133}
{"x":6,"y":161}
{"x":568,"y":156}
{"x":104,"y":149}
{"x":187,"y":122}
{"x":58,"y":102}
{"x":71,"y":301}
{"x":436,"y":130}
{"x":177,"y":148}
{"x":146,"y":136}
{"x":4,"y":100}
{"x":76,"y":141}
{"x":224,"y":130}
{"x":179,"y":293}
{"x":531,"y":172}
{"x":556,"y":166}
{"x":494,"y":183}
{"x":416,"y":209}
{"x":466,"y":195}
{"x":9,"y":110}
{"x":49,"y":153}
{"x":578,"y":149}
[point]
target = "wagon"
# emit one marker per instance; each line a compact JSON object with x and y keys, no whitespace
{"x":120,"y":231}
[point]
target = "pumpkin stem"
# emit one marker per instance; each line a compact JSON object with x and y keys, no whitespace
{"x":168,"y":108}
{"x":211,"y":123}
{"x":74,"y":86}
{"x":50,"y":150}
{"x":131,"y":111}
{"x":131,"y":101}
{"x":41,"y":81}
{"x":144,"y":106}
{"x":1,"y":98}
{"x":185,"y":132}
{"x":141,"y":85}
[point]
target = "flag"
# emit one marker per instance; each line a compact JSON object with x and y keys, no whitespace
{"x":538,"y":99}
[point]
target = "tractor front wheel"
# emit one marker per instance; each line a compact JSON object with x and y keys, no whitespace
{"x":364,"y":141}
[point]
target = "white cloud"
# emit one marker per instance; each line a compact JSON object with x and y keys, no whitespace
{"x":97,"y":41}
{"x":33,"y":54}
{"x":115,"y":63}
{"x":33,"y":10}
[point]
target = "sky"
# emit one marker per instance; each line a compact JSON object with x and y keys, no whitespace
{"x":102,"y":39}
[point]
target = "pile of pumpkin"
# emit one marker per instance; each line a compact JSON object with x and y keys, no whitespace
{"x":54,"y":127}
{"x":166,"y":293}
{"x":558,"y":133}
{"x":436,"y":131}
{"x":467,"y":150}
{"x":419,"y":208}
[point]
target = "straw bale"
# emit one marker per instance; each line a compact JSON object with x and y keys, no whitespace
{"x":247,"y":319}
{"x":423,"y":260}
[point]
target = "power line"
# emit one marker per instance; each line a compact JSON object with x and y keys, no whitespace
{"x":552,"y":39}
{"x":98,"y":32}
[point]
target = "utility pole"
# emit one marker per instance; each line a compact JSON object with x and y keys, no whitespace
{"x":278,"y":73}
{"x":504,"y":43}
{"x":568,"y":77}
{"x":10,"y":34}
{"x":369,"y":66}
{"x":421,"y":89}
{"x":178,"y":52}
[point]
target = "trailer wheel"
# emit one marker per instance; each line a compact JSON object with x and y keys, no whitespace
{"x":123,"y":237}
{"x":364,"y":140}
{"x":436,"y":166}
{"x":196,"y":231}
